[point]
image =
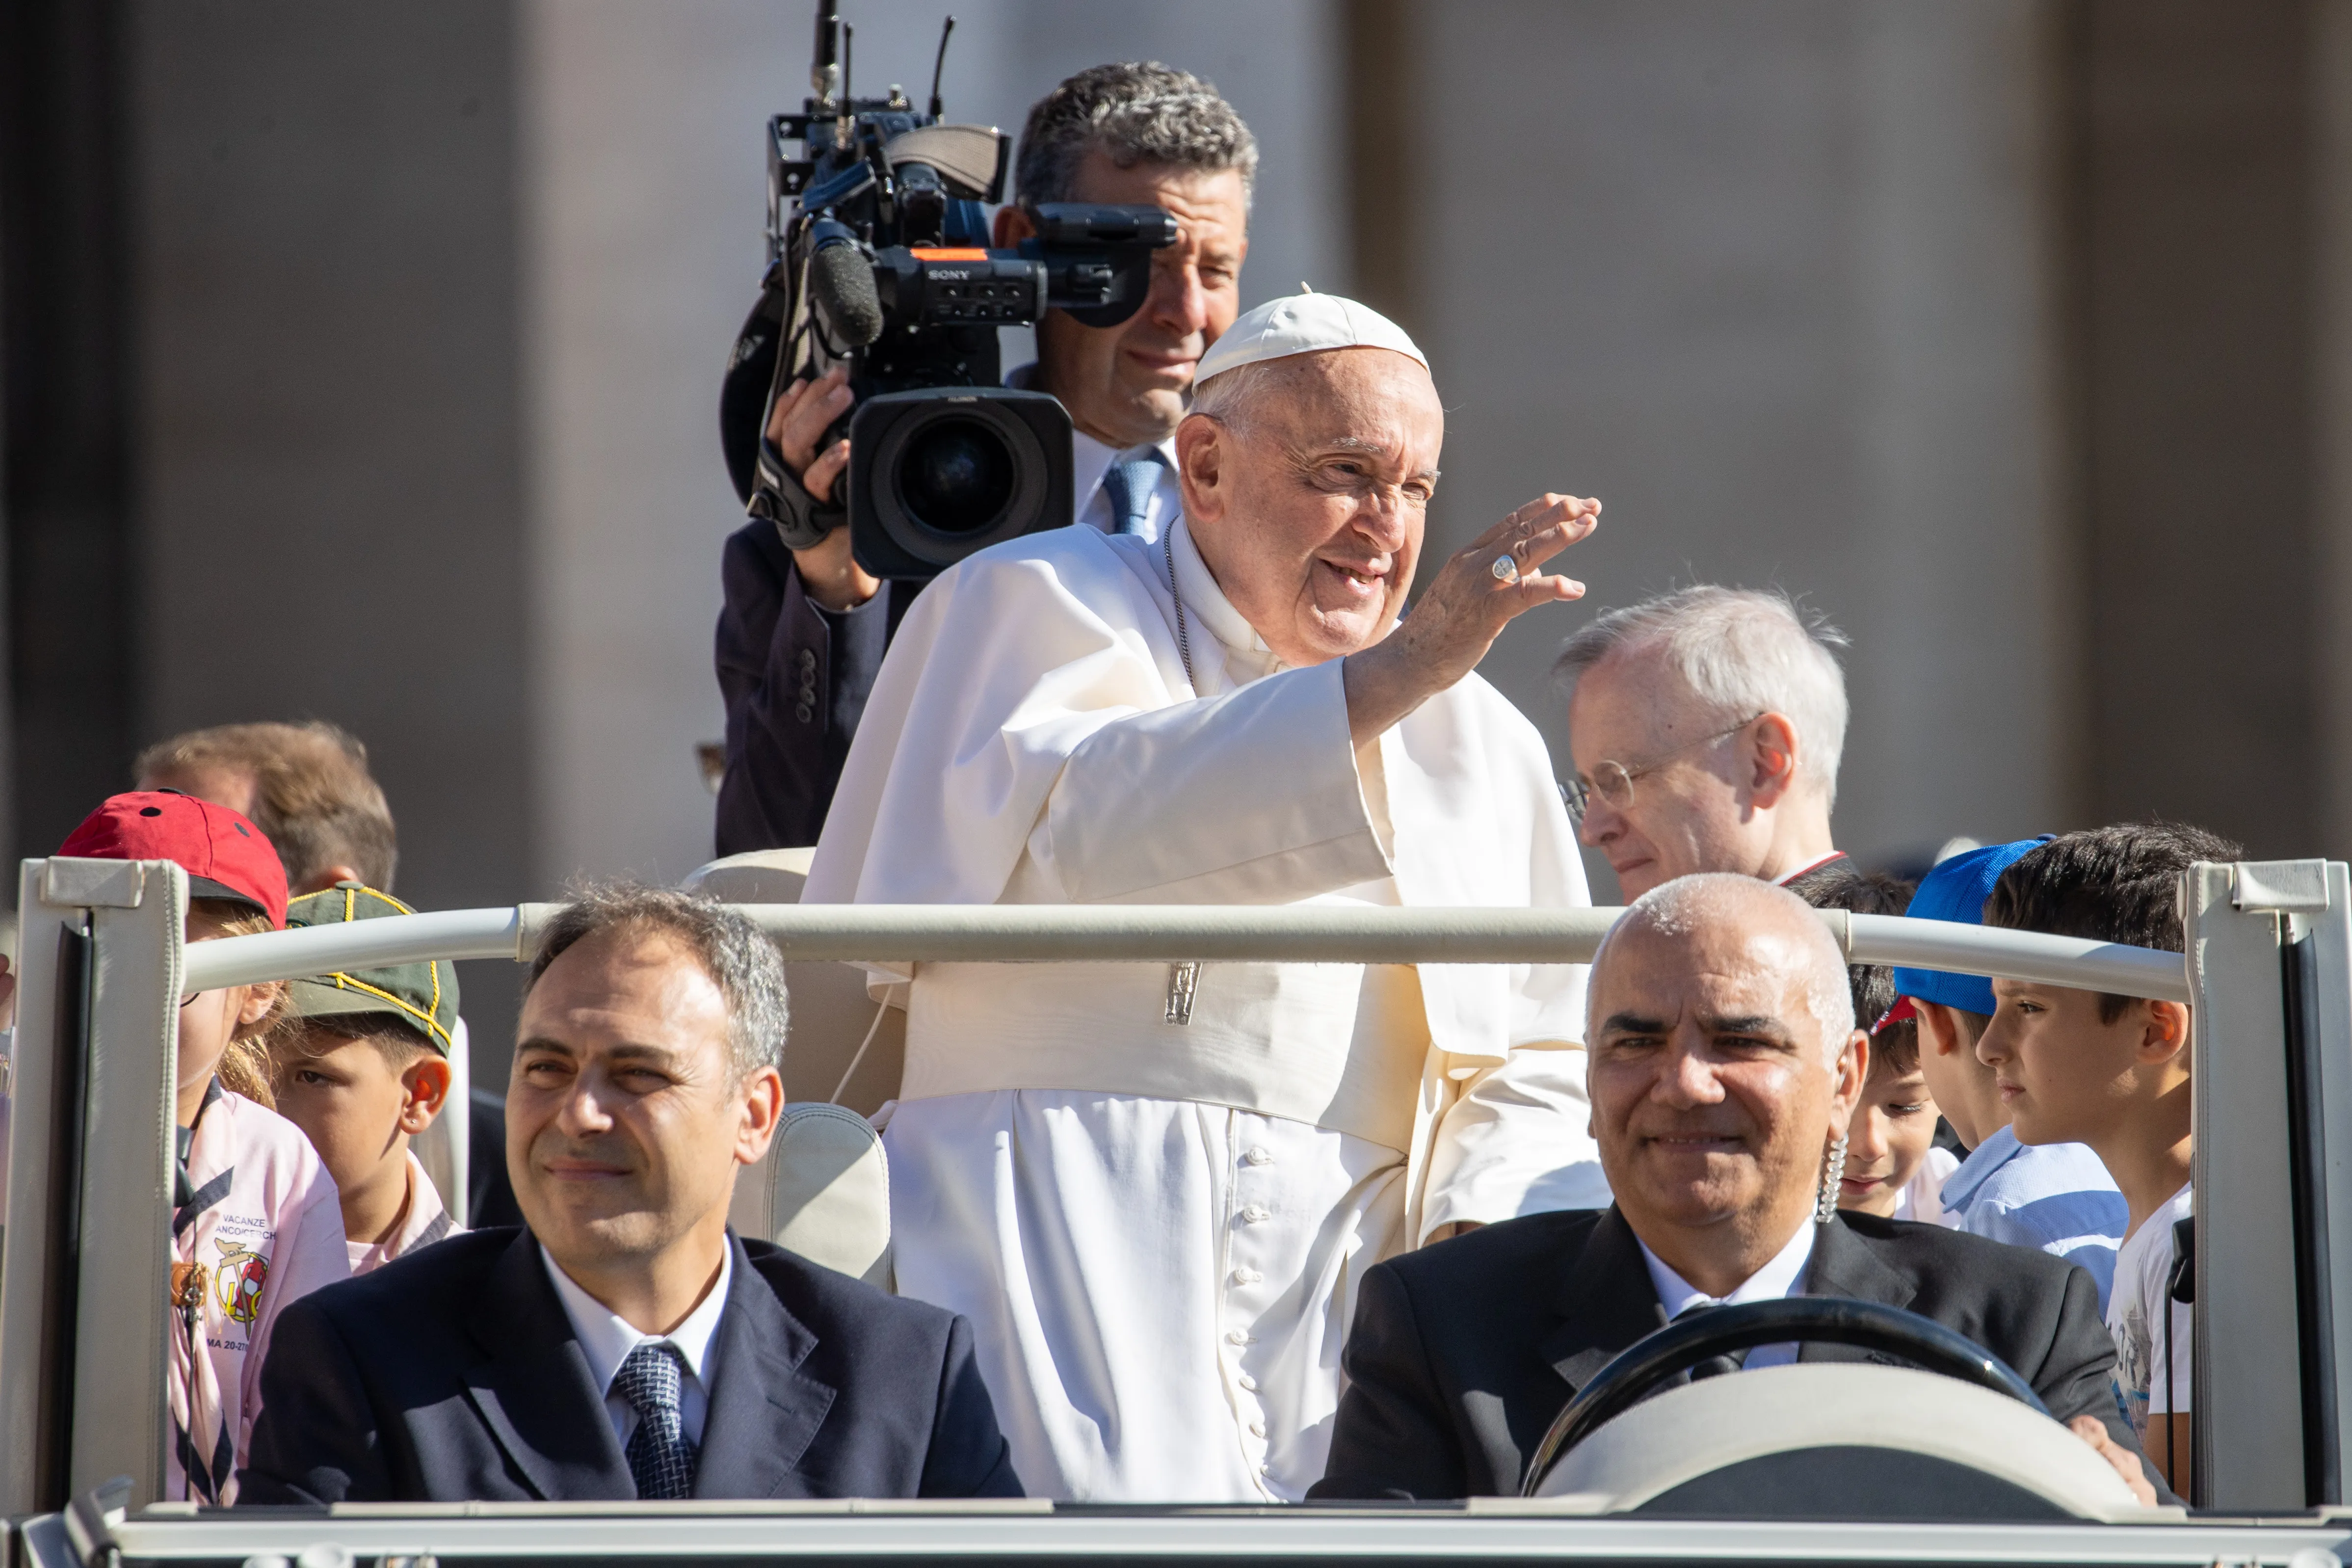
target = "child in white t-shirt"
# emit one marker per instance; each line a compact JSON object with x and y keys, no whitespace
{"x":255,"y":1221}
{"x":2112,"y":1072}
{"x":2152,"y":1373}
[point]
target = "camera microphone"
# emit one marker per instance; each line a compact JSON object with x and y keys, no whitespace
{"x":841,"y":284}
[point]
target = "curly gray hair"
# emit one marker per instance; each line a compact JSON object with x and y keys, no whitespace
{"x":1137,"y":113}
{"x":735,"y":953}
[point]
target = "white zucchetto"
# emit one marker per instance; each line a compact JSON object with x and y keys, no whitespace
{"x":1303,"y":323}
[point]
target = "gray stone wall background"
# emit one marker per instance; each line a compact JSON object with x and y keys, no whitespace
{"x":1766,"y":280}
{"x":2008,"y":333}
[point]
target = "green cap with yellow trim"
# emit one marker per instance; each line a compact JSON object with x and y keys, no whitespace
{"x":422,"y":995}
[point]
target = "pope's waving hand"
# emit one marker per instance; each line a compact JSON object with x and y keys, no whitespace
{"x":1153,"y":1190}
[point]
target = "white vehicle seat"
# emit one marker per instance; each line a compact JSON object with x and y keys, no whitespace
{"x":1830,"y":1439}
{"x":761,"y":877}
{"x":832,"y":1015}
{"x":824,"y":1189}
{"x":824,"y":1193}
{"x":442,"y":1149}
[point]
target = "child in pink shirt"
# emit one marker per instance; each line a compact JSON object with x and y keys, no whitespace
{"x":255,"y":1221}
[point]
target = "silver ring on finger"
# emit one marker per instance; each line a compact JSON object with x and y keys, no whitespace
{"x":1506,"y":568}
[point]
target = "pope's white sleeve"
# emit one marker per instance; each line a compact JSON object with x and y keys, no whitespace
{"x":1252,"y":798}
{"x":1519,"y":1141}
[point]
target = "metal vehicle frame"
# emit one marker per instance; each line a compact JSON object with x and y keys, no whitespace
{"x":84,"y":1253}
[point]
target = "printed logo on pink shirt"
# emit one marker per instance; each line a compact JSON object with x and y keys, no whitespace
{"x":239,"y":1280}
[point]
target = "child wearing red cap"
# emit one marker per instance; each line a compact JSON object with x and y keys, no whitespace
{"x":256,"y":1221}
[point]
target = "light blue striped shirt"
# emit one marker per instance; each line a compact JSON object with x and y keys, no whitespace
{"x":2055,"y":1196}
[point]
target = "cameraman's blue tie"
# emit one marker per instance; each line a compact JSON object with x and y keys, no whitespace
{"x":1128,"y":483}
{"x":661,"y":1461}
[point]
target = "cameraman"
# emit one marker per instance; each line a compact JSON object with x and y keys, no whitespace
{"x":803,"y":632}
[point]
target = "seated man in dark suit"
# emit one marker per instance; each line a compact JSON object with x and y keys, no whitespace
{"x":624,"y":1343}
{"x":1724,"y":1067}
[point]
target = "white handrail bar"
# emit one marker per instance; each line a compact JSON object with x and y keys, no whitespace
{"x":355,"y":944}
{"x":1288,"y":933}
{"x":1958,"y":949}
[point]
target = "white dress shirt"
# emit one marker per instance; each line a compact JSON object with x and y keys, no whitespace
{"x":1776,"y":1281}
{"x":607,"y":1341}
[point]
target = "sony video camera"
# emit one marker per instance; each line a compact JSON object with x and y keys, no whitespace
{"x":879,"y":259}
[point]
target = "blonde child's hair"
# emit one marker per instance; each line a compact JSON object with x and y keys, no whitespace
{"x":244,"y":1066}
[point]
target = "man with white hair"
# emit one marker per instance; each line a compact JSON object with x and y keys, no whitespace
{"x":1725,"y":1065}
{"x":1705,"y":726}
{"x":1154,"y":1189}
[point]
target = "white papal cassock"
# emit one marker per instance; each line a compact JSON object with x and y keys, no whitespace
{"x":1156,"y":1228}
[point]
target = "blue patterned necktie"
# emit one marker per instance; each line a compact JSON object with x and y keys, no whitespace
{"x":1129,"y":483}
{"x":661,"y":1461}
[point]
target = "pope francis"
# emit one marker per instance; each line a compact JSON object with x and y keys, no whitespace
{"x":1152,"y":1188}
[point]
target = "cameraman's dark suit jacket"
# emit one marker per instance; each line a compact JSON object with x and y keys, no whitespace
{"x":1464,"y":1353}
{"x":453,"y":1375}
{"x":796,"y":681}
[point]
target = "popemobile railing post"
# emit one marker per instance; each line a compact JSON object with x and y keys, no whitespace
{"x":87,"y":1268}
{"x":2270,"y":1068}
{"x":2323,"y":981}
{"x":40,"y":1262}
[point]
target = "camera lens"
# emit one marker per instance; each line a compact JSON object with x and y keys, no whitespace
{"x":936,"y":473}
{"x":956,"y":476}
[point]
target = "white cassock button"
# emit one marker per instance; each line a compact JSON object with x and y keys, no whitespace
{"x":1257,"y":1213}
{"x":1246,"y":1277}
{"x":1236,"y":1337}
{"x":1249,"y":1384}
{"x":1257,"y":1154}
{"x":1265,"y":1469}
{"x":1257,"y":1428}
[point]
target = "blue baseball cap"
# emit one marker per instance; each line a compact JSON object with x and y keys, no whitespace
{"x":1956,"y":889}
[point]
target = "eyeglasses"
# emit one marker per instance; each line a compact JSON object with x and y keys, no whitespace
{"x":1613,"y":782}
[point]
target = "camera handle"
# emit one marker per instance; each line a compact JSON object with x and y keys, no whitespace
{"x":778,"y":497}
{"x":801,"y":521}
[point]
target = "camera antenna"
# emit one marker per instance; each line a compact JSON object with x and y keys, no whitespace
{"x":848,"y":104}
{"x":824,"y":73}
{"x":938,"y":65}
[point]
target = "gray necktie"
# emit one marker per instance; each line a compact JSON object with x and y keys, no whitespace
{"x":1714,"y":1365}
{"x":661,"y":1461}
{"x":1127,"y":484}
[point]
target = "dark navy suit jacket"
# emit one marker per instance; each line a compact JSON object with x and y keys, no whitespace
{"x":1463,"y":1353}
{"x":453,"y":1375}
{"x":796,"y":681}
